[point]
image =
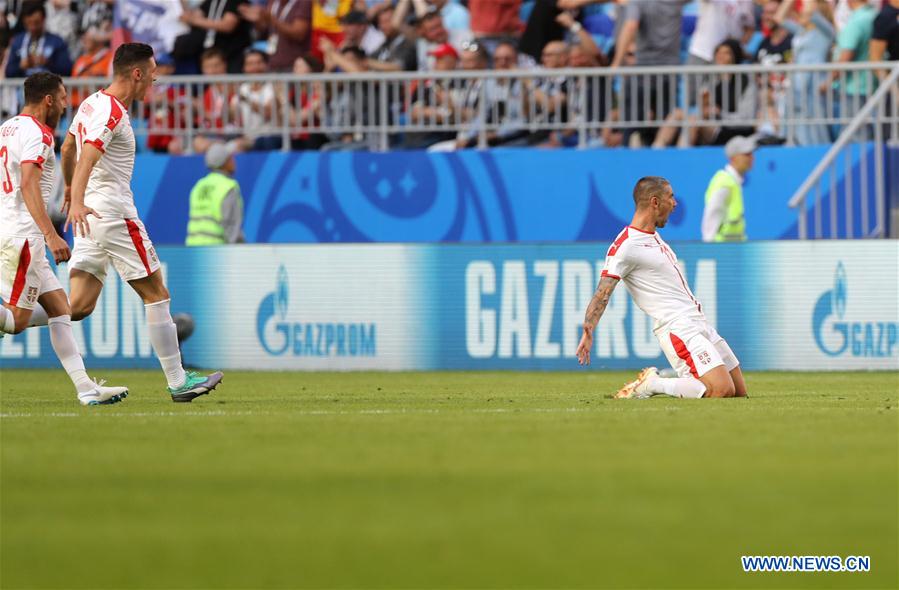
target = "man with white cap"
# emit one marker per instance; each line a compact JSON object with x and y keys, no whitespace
{"x":216,"y":205}
{"x":723,"y":219}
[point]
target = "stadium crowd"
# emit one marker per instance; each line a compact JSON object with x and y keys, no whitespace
{"x":72,"y":38}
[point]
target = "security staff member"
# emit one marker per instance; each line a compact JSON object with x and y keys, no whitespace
{"x":723,"y":219}
{"x":216,"y":206}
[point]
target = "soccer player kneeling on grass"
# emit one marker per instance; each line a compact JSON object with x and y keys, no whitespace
{"x":97,"y":163}
{"x":26,"y":279}
{"x":705,"y":364}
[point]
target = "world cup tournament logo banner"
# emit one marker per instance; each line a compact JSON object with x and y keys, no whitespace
{"x":781,"y":305}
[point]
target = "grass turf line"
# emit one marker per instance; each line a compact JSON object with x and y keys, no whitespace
{"x":444,"y":480}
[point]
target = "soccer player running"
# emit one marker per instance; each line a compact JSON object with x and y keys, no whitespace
{"x":26,"y":279}
{"x":97,"y":162}
{"x":705,"y":364}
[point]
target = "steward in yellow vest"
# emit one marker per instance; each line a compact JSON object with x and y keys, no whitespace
{"x":216,"y":205}
{"x":724,"y":217}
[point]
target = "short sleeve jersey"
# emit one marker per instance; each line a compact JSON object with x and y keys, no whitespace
{"x":103,"y":122}
{"x":648,"y":267}
{"x":23,"y":140}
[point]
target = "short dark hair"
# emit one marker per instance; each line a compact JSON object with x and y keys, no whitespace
{"x":212,"y":53}
{"x":39,"y":85}
{"x":355,"y":51}
{"x":33,"y":7}
{"x":647,"y":188}
{"x":129,"y":56}
{"x":508,"y":43}
{"x":254,"y":51}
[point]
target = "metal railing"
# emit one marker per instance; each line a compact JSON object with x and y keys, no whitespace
{"x":683,"y":105}
{"x":854,"y":203}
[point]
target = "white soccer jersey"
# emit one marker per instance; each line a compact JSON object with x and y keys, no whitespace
{"x":23,"y":139}
{"x":103,"y":122}
{"x":648,"y":267}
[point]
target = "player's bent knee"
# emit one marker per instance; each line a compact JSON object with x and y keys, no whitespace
{"x":81,"y":311}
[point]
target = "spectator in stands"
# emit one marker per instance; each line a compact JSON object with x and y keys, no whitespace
{"x":167,"y":111}
{"x":215,"y":120}
{"x":775,"y":49}
{"x":255,"y":105}
{"x":853,"y":44}
{"x":719,"y":20}
{"x":348,"y":108}
{"x":548,"y":104}
{"x":357,"y":32}
{"x":97,"y":15}
{"x":306,"y":103}
{"x":813,"y":36}
{"x":288,"y":24}
{"x":216,"y":205}
{"x":12,"y":15}
{"x":432,"y":101}
{"x":94,"y":62}
{"x":885,"y":35}
{"x":777,"y":43}
{"x":723,"y":219}
{"x":656,"y":27}
{"x":36,"y":50}
{"x":465,"y":101}
{"x":62,"y":21}
{"x":842,"y":11}
{"x":326,"y":23}
{"x":728,"y":97}
{"x":586,"y":96}
{"x":455,"y":16}
{"x":507,"y":100}
{"x":397,"y":52}
{"x":218,"y":23}
{"x":494,"y":21}
{"x":430,"y":30}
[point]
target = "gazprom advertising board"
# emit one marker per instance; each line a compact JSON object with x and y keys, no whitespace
{"x":827,"y":305}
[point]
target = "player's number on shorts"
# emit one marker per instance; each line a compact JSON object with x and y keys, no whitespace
{"x":7,"y":181}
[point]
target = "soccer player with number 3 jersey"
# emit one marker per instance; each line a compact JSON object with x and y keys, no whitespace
{"x":97,"y":162}
{"x":30,"y":291}
{"x":705,"y":364}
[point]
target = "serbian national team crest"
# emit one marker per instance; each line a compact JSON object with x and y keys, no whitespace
{"x":31,"y":295}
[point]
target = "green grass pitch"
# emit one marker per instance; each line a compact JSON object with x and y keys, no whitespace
{"x":459,"y":480}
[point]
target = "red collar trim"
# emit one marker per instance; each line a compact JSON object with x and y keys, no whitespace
{"x":113,"y":97}
{"x":641,"y":231}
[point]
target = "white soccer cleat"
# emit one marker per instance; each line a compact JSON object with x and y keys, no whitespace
{"x":101,"y":395}
{"x":638,"y":389}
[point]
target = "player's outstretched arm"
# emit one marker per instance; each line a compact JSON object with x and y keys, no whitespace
{"x":594,"y":311}
{"x":68,"y":156}
{"x":31,"y":195}
{"x":78,"y":212}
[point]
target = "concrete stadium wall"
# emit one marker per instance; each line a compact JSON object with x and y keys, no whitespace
{"x":789,"y":305}
{"x":502,"y":195}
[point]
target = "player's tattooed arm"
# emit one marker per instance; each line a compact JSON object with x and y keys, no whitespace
{"x":594,"y":312}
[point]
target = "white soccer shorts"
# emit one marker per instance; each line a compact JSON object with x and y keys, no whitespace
{"x":25,"y":272}
{"x":124,"y":242}
{"x":694,"y":348}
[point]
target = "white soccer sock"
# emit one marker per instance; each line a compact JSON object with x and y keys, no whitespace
{"x":677,"y":386}
{"x":66,"y":349}
{"x":7,"y":321}
{"x":164,"y":338}
{"x":38,"y":316}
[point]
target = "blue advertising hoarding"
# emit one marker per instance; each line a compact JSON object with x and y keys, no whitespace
{"x":827,"y":305}
{"x":501,"y":195}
